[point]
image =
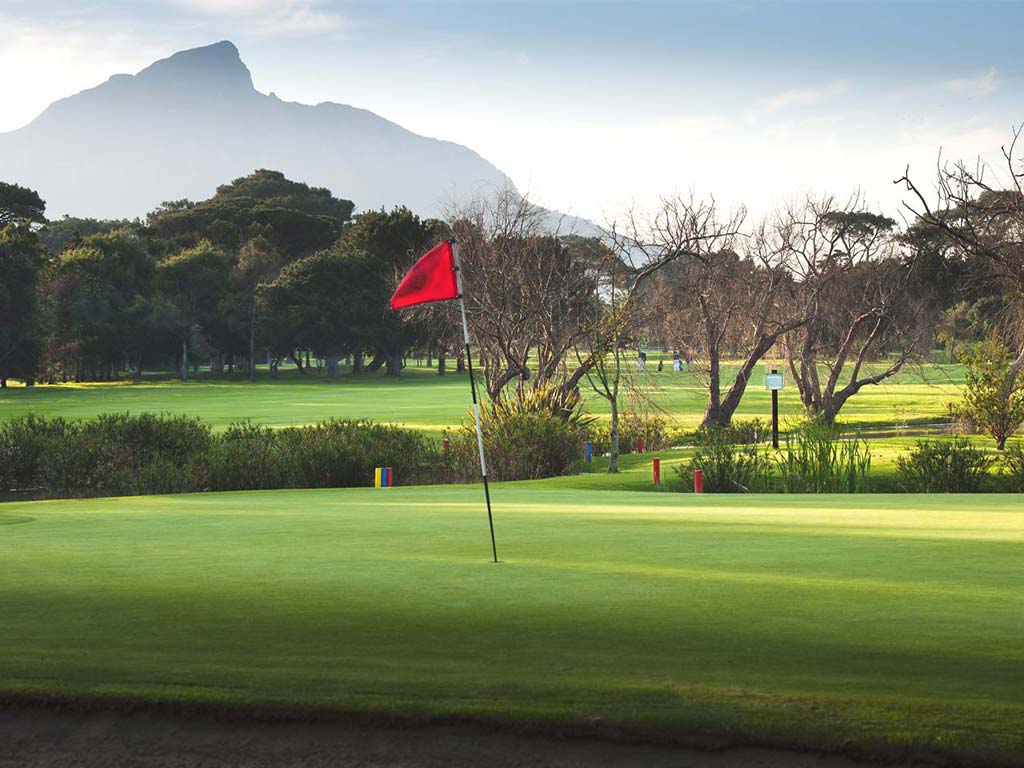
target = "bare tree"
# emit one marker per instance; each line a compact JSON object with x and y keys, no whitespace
{"x":526,"y":294}
{"x":717,"y":290}
{"x":980,"y":209}
{"x":853,"y":287}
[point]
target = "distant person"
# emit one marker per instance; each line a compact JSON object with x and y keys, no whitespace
{"x":661,"y":366}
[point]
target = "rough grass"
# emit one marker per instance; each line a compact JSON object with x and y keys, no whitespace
{"x":827,"y":621}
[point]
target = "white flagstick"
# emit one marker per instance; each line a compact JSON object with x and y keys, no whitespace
{"x":476,"y":407}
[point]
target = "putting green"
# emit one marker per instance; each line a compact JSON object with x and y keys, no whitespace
{"x":824,"y":620}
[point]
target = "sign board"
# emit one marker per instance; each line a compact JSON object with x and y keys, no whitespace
{"x":773,"y":381}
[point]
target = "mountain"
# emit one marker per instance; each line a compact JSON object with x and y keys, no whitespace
{"x":187,"y":123}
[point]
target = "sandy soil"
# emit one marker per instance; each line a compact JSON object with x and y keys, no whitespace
{"x":48,"y":738}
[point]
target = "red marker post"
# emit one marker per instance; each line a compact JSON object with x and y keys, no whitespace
{"x":698,"y":481}
{"x":656,"y":470}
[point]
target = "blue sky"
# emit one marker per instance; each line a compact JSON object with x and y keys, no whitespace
{"x":594,"y":107}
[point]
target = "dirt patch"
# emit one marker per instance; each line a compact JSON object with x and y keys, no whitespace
{"x":47,"y":738}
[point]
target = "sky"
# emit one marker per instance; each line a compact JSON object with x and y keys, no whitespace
{"x":599,"y":107}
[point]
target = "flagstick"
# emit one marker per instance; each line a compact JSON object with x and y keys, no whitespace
{"x":476,"y":408}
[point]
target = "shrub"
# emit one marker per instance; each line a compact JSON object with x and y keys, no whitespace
{"x":816,"y":458}
{"x":24,"y":442}
{"x":727,"y":467}
{"x":1013,"y":467}
{"x":739,"y":432}
{"x":994,"y":392}
{"x":944,"y":466}
{"x":653,"y":429}
{"x":121,"y":455}
{"x":525,"y":438}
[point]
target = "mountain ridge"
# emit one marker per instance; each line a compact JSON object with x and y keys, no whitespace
{"x":191,"y":121}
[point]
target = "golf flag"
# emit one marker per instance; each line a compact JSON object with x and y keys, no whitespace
{"x":432,"y":278}
{"x":436,"y":277}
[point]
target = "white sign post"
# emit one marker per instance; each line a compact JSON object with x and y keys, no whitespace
{"x":773,"y":382}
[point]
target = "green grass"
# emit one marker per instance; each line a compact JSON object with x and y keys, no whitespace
{"x":824,"y":620}
{"x":423,"y":400}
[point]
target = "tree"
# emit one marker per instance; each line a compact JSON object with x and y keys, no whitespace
{"x":526,"y":294}
{"x":22,"y":260}
{"x":330,"y":303}
{"x":195,"y":279}
{"x":95,"y":285}
{"x":394,"y":240}
{"x":20,"y":205}
{"x":984,"y":220}
{"x":607,"y":332}
{"x":297,"y":219}
{"x":855,"y":287}
{"x":994,"y":393}
{"x":717,"y":291}
{"x":257,"y":265}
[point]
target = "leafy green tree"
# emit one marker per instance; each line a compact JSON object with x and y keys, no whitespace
{"x":393,"y":240}
{"x":69,"y":231}
{"x":20,"y":205}
{"x":22,"y":260}
{"x":257,"y":265}
{"x":297,"y":219}
{"x":329,"y":303}
{"x":95,"y":286}
{"x":196,"y":279}
{"x":994,"y":396}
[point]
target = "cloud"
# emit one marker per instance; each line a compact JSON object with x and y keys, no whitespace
{"x":270,"y":17}
{"x":981,"y":85}
{"x":803,"y":97}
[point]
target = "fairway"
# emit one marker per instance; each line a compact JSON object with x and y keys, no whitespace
{"x":422,"y":400}
{"x":827,"y":621}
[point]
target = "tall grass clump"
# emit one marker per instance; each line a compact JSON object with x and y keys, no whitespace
{"x":728,"y":467}
{"x":526,"y":437}
{"x":944,"y":466}
{"x":817,"y":458}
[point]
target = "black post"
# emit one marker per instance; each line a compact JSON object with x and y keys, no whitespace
{"x":487,"y":490}
{"x":775,"y":415}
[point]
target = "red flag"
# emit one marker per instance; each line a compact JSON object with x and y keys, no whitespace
{"x":432,"y":278}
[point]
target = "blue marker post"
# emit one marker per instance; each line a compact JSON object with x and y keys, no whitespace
{"x":587,"y":451}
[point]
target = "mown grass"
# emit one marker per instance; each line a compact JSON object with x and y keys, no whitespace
{"x":423,"y":400}
{"x":828,"y":621}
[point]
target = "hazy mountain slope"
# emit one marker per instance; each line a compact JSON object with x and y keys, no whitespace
{"x":192,"y":121}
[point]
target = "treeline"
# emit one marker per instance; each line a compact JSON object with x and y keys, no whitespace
{"x":266,"y":270}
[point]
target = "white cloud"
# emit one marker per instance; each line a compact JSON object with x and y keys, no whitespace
{"x":981,"y":85}
{"x":270,"y":17}
{"x":803,"y":97}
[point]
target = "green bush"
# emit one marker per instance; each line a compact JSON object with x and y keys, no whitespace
{"x":119,"y":454}
{"x":24,"y":442}
{"x":944,"y":466}
{"x":1012,"y":471}
{"x":727,"y":467}
{"x":816,"y":458}
{"x":739,"y":432}
{"x":525,"y":438}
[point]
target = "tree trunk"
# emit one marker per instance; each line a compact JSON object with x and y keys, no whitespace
{"x":460,"y":363}
{"x":297,"y":359}
{"x":252,"y":339}
{"x":441,"y":363}
{"x":30,"y":381}
{"x":613,"y":457}
{"x":376,"y":364}
{"x":3,"y":383}
{"x":393,"y":365}
{"x":357,"y":362}
{"x":332,"y":366}
{"x":184,"y":360}
{"x":713,"y":416}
